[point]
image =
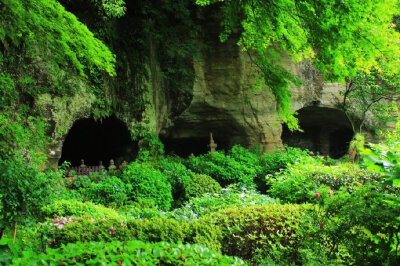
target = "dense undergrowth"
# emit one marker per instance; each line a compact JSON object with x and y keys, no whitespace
{"x":206,"y":209}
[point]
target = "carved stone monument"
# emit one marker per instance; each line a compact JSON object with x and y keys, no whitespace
{"x":212,"y":145}
{"x":82,"y":164}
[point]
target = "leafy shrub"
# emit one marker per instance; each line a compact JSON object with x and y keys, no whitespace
{"x":177,"y":175}
{"x":72,"y":207}
{"x":199,"y":185}
{"x":222,"y":168}
{"x":23,"y":191}
{"x":228,"y":198}
{"x":110,"y":190}
{"x":131,"y":252}
{"x":143,"y":181}
{"x":362,"y":225}
{"x":63,"y":230}
{"x":256,"y":233}
{"x":296,"y":182}
{"x":143,"y":209}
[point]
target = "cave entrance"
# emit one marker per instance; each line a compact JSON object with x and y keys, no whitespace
{"x":96,"y":141}
{"x":327,"y":132}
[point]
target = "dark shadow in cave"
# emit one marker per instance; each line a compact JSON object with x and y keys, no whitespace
{"x":96,"y":141}
{"x":183,"y":147}
{"x":327,"y":131}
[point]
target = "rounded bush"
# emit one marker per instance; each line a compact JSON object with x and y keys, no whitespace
{"x":201,"y":184}
{"x":110,"y":190}
{"x":143,"y":181}
{"x":259,"y":232}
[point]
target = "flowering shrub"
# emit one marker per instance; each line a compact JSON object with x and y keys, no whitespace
{"x":295,"y":183}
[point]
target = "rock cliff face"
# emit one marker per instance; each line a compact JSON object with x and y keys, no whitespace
{"x":225,"y":104}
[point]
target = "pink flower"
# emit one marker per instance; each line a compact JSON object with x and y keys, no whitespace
{"x":331,"y":192}
{"x":56,"y":220}
{"x":60,"y":226}
{"x":317,"y":195}
{"x":92,"y":220}
{"x":64,"y":221}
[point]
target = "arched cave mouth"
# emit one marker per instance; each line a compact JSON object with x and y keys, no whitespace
{"x":96,"y":141}
{"x":327,"y":132}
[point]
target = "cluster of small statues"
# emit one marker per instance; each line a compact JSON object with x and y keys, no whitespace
{"x":101,"y":167}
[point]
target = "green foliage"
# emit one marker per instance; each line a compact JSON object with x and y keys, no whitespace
{"x":228,"y":198}
{"x":177,"y":174}
{"x":72,"y":207}
{"x":131,"y":252}
{"x":63,"y":230}
{"x":299,"y":182}
{"x":256,"y":233}
{"x":384,"y":159}
{"x":110,"y":190}
{"x":143,"y":181}
{"x":22,"y":138}
{"x":143,"y":209}
{"x":273,"y":163}
{"x":150,"y":146}
{"x":223,"y":168}
{"x":23,"y":191}
{"x":373,"y":94}
{"x":53,"y":35}
{"x":199,"y":185}
{"x":361,"y":227}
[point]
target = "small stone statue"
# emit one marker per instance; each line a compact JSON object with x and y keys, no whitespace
{"x":123,"y":164}
{"x":82,"y":164}
{"x":101,"y":166}
{"x":112,"y":166}
{"x":212,"y":145}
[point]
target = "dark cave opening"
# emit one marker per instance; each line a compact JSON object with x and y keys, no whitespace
{"x":326,"y":131}
{"x":96,"y":141}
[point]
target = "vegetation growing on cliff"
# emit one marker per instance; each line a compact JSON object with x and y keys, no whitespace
{"x":232,"y":208}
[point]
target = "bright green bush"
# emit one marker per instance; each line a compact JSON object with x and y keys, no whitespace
{"x":143,"y":181}
{"x":110,"y":190}
{"x":363,"y":225}
{"x":223,"y":168}
{"x":199,"y":185}
{"x":262,"y":233}
{"x":131,"y":252}
{"x":23,"y":191}
{"x":63,"y":230}
{"x":76,"y":208}
{"x":296,"y":183}
{"x":227,"y":198}
{"x":273,"y":162}
{"x":177,"y":175}
{"x":142,"y":209}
